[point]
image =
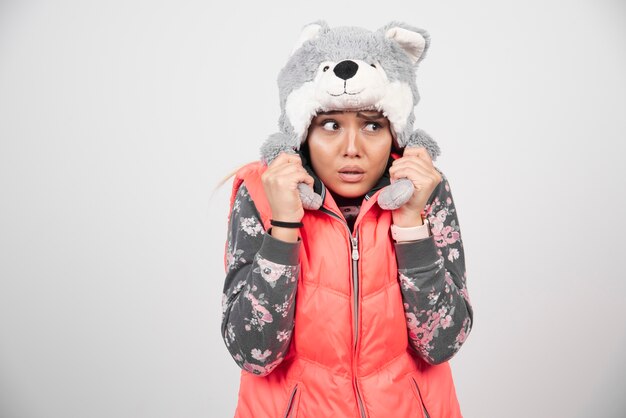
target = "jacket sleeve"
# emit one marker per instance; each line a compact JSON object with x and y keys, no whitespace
{"x":432,"y":279}
{"x":258,"y":300}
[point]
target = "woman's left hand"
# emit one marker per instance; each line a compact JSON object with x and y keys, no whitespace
{"x":416,"y":165}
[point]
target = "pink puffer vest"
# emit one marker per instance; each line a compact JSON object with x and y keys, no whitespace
{"x":349,"y":354}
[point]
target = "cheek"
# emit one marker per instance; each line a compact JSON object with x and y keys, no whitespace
{"x":381,"y":154}
{"x":322,"y":153}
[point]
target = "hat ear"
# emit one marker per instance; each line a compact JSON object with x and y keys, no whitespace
{"x":413,"y":42}
{"x":311,"y":31}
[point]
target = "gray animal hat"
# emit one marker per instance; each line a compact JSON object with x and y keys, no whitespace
{"x":351,"y":68}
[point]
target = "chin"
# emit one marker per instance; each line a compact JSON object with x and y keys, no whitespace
{"x":350,"y":190}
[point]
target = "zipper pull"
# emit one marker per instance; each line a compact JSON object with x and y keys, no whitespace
{"x":355,"y":248}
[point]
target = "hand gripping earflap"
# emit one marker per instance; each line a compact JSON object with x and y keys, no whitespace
{"x":351,"y":68}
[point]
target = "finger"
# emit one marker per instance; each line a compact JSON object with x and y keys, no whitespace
{"x":413,"y":173}
{"x":408,"y":151}
{"x":411,"y":161}
{"x":306,"y":178}
{"x":286,"y":158}
{"x":287,"y":169}
{"x":419,"y":152}
{"x":299,"y":174}
{"x":289,"y":175}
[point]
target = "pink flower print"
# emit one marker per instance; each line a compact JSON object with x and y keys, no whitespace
{"x":270,"y":271}
{"x":224,"y":300}
{"x":283,"y":335}
{"x":407,"y":283}
{"x":450,"y":235}
{"x":434,"y":319}
{"x":259,"y":311}
{"x":433,"y":297}
{"x":446,"y":321}
{"x":233,"y":256}
{"x":411,"y":321}
{"x":460,"y":339}
{"x":427,"y":208}
{"x":253,"y":368}
{"x":413,"y":326}
{"x":257,"y":355}
{"x":436,"y":225}
{"x":453,"y":254}
{"x":251,"y":226}
{"x":441,"y":216}
{"x":271,"y":366}
{"x":465,"y":295}
{"x":256,"y":369}
{"x":446,"y":236}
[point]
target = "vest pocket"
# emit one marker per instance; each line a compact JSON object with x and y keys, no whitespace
{"x":418,"y":394}
{"x":290,"y":410}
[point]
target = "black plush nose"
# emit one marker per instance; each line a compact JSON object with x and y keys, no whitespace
{"x":346,"y":69}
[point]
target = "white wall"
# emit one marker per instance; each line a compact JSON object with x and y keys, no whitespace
{"x":117,"y":118}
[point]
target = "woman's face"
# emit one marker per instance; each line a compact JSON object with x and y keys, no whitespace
{"x":349,"y":150}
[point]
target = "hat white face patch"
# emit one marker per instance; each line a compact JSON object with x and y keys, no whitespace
{"x":349,"y":85}
{"x":300,"y":108}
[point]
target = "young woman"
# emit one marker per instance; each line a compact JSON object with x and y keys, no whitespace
{"x":349,"y":310}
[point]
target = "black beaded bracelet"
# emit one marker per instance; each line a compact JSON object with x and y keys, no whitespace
{"x":286,"y":224}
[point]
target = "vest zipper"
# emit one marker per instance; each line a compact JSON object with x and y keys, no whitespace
{"x":289,"y":411}
{"x":426,"y":415}
{"x":354,"y":247}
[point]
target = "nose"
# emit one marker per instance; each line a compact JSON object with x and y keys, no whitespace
{"x":346,"y":69}
{"x":352,"y":145}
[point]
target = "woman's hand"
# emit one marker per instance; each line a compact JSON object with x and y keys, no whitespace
{"x":280,"y":182}
{"x":416,"y":165}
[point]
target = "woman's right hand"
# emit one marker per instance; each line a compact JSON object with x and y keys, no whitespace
{"x":280,"y":182}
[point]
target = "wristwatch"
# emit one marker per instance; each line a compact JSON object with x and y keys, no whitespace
{"x":412,"y":233}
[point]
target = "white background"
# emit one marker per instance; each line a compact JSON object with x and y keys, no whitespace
{"x":118,"y":118}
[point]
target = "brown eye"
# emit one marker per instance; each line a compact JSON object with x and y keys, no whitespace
{"x":374,"y":126}
{"x":330,"y":125}
{"x":373,"y":65}
{"x":326,"y":68}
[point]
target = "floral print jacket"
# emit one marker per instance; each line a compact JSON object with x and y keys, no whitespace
{"x":262,"y":278}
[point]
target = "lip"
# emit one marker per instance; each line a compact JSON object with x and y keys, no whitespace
{"x":357,"y":174}
{"x":351,"y":178}
{"x":354,"y":168}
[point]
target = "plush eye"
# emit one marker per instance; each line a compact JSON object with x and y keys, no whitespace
{"x":325,"y":68}
{"x":373,"y":65}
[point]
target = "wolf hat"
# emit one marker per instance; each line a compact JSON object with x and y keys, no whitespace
{"x":351,"y":68}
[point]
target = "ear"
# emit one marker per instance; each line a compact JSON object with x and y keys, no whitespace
{"x":309,"y":32}
{"x":413,"y":43}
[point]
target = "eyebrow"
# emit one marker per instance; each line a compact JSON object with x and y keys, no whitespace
{"x":376,"y":116}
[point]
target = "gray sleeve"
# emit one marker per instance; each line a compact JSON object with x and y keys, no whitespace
{"x":258,"y":300}
{"x":432,"y":276}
